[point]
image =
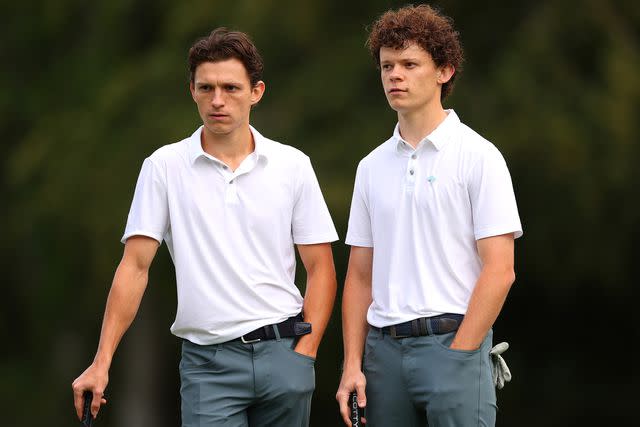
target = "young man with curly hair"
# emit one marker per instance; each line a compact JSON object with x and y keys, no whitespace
{"x":231,"y":206}
{"x":432,"y":226}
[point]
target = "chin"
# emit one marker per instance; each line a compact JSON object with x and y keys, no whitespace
{"x":398,"y":106}
{"x":219,"y":129}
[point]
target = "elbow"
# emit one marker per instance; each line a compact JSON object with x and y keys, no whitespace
{"x":510,"y":277}
{"x":502,"y":276}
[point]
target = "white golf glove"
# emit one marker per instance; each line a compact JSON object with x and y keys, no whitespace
{"x":500,"y":370}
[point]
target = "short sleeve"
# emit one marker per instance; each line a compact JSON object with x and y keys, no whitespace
{"x":149,"y":213}
{"x":359,"y":229}
{"x":493,"y":201}
{"x":311,"y":221}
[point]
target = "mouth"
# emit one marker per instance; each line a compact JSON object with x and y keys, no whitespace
{"x":396,"y":90}
{"x":217,"y":116}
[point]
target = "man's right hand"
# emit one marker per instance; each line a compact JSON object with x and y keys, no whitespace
{"x":94,"y":380}
{"x":352,"y":380}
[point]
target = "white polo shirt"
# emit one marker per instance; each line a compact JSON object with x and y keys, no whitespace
{"x":422,"y":211}
{"x":231,"y":235}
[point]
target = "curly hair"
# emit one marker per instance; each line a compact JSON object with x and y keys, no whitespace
{"x":223,"y":44}
{"x":425,"y":26}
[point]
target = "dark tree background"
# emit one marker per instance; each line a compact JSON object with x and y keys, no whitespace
{"x":89,"y":89}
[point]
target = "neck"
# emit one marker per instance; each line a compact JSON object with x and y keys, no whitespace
{"x":415,"y":125}
{"x":230,"y":148}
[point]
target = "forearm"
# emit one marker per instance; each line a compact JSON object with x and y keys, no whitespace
{"x":355,"y":303}
{"x":123,"y":302}
{"x":318,"y":305}
{"x":485,"y":305}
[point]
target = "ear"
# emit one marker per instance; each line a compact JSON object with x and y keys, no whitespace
{"x":256,"y":92}
{"x":445,"y":73}
{"x":192,"y":89}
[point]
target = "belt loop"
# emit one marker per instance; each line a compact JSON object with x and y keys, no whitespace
{"x":428,"y":325}
{"x":392,"y":331}
{"x":423,"y":326}
{"x":378,"y":331}
{"x":415,"y":329}
{"x":276,"y":331}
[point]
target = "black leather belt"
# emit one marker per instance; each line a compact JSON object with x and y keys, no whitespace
{"x":292,"y":327}
{"x":436,"y":325}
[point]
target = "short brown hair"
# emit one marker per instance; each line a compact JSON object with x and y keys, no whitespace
{"x":223,"y":44}
{"x":425,"y":26}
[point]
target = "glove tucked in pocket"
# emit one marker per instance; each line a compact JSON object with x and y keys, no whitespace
{"x":499,"y":369}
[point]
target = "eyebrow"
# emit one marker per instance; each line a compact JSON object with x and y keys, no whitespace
{"x":227,"y":83}
{"x":400,"y":60}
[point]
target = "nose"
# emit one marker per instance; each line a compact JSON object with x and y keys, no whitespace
{"x":394,"y":74}
{"x":217,"y":100}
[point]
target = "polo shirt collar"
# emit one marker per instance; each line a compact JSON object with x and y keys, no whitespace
{"x":196,"y":151}
{"x":438,"y":137}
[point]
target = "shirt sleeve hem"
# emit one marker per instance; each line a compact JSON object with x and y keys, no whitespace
{"x":153,"y":235}
{"x":359,"y":242}
{"x":497,"y":231}
{"x":321,"y":238}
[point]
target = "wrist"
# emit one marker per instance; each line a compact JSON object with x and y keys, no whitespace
{"x":102,"y":362}
{"x":352,"y":364}
{"x":308,"y":346}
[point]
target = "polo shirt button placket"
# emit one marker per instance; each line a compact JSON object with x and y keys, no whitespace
{"x":231,"y":191}
{"x":410,"y":178}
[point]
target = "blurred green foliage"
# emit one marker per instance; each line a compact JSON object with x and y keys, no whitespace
{"x":89,"y":89}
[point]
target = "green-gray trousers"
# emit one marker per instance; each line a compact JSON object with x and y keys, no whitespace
{"x":239,"y":385}
{"x":420,"y":381}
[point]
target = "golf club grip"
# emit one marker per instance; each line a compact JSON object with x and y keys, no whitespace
{"x":354,"y":410}
{"x":87,"y":419}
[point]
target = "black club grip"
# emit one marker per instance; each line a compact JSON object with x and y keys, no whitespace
{"x":87,"y":419}
{"x":354,"y":411}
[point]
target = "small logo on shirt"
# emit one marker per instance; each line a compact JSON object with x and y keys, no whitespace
{"x":431,"y":179}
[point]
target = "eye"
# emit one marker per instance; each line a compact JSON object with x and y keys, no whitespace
{"x":411,"y":64}
{"x":386,"y":67}
{"x":205,"y":88}
{"x":231,"y":88}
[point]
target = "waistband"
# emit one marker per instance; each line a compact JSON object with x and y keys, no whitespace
{"x":291,"y":327}
{"x":435,"y":325}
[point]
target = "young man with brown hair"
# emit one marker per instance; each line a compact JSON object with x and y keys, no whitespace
{"x":432,"y":227}
{"x":231,"y":205}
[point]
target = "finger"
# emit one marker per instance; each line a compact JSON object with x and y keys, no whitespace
{"x":500,"y":348}
{"x":503,"y":364}
{"x":343,"y":402}
{"x":78,"y":400}
{"x":362,"y":397}
{"x":363,"y":419}
{"x":95,"y":403}
{"x":78,"y":403}
{"x":507,"y":375}
{"x":504,"y":369}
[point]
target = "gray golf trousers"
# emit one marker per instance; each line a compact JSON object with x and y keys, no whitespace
{"x":238,"y":385}
{"x":420,"y":381}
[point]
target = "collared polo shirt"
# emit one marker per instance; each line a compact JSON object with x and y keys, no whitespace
{"x":231,"y":234}
{"x":422,"y":210}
